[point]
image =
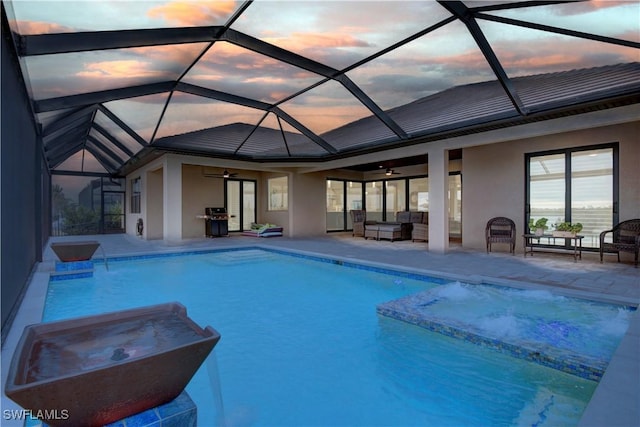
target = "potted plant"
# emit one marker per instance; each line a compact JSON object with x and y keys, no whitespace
{"x":566,"y":229}
{"x":538,"y":227}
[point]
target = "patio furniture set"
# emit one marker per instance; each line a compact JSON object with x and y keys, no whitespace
{"x":623,"y":237}
{"x":412,"y":225}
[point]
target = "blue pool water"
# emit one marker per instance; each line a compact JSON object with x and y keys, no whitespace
{"x":302,"y":345}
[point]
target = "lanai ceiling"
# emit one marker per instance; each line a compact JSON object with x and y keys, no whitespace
{"x":114,"y":81}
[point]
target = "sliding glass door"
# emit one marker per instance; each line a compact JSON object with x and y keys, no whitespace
{"x":342,"y":198}
{"x":241,"y":203}
{"x":396,"y":198}
{"x":455,"y":205}
{"x":374,"y":200}
{"x":574,"y":185}
{"x":335,"y":205}
{"x":354,"y":199}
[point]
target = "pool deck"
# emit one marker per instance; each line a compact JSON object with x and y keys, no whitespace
{"x":616,"y":399}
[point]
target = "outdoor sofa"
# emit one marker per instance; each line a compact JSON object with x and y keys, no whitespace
{"x":400,"y":229}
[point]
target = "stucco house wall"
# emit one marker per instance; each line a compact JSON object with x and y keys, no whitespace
{"x":198,"y":193}
{"x":308,"y":213}
{"x":493,"y":177}
{"x":154,"y":203}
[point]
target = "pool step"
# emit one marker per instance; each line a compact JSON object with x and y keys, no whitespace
{"x":72,"y":270}
{"x":242,"y":257}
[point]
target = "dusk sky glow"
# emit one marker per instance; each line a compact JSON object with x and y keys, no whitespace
{"x":337,"y":34}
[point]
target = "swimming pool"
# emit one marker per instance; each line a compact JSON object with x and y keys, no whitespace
{"x":302,"y":345}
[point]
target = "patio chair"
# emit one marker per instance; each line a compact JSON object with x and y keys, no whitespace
{"x":501,"y":230}
{"x":358,"y":218}
{"x":420,"y":229}
{"x":626,"y":238}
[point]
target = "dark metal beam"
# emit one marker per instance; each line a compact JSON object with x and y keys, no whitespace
{"x":100,"y":146}
{"x":284,"y":136}
{"x":105,"y":162}
{"x":464,"y":14}
{"x":305,"y":131}
{"x":132,"y":133}
{"x":299,"y":61}
{"x":69,"y":138}
{"x":56,"y":160}
{"x":73,"y":101}
{"x":372,"y":106}
{"x":112,"y":139}
{"x":47,"y":44}
{"x":272,"y":51}
{"x":75,"y":173}
{"x":233,"y":18}
{"x":401,"y":43}
{"x":519,"y":4}
{"x":69,"y":119}
{"x":563,"y":31}
{"x":81,"y":123}
{"x":255,"y":128}
{"x":222,"y":96}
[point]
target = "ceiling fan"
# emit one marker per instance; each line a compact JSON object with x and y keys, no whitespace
{"x":226,"y":174}
{"x":389,"y":172}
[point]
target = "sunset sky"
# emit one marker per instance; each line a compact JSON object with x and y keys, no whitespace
{"x":334,"y":33}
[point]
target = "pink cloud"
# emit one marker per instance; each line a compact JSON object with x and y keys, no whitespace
{"x":35,"y":27}
{"x":577,"y":8}
{"x":559,"y":54}
{"x":119,"y":70}
{"x":186,"y":13}
{"x":175,"y":53}
{"x":299,"y":42}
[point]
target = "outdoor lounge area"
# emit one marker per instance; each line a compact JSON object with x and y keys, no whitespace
{"x":423,"y":137}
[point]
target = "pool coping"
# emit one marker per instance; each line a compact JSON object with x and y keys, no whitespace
{"x":613,"y":403}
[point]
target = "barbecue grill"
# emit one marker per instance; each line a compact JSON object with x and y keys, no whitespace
{"x":216,"y":222}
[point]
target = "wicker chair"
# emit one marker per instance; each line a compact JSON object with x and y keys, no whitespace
{"x":420,"y":229}
{"x":626,"y":238}
{"x":358,"y":218}
{"x":501,"y":230}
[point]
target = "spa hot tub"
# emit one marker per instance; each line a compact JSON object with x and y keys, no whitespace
{"x":95,"y":370}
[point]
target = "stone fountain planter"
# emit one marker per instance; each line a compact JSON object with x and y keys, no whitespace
{"x":95,"y":370}
{"x":75,"y":251}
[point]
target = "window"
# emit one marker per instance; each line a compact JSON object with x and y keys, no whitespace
{"x":374,"y":200}
{"x":354,"y":199}
{"x":342,"y":197}
{"x":135,"y":195}
{"x":335,"y":205}
{"x":574,"y":185}
{"x":396,"y":198}
{"x":278,"y":194}
{"x":419,"y":194}
{"x":455,"y":205}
